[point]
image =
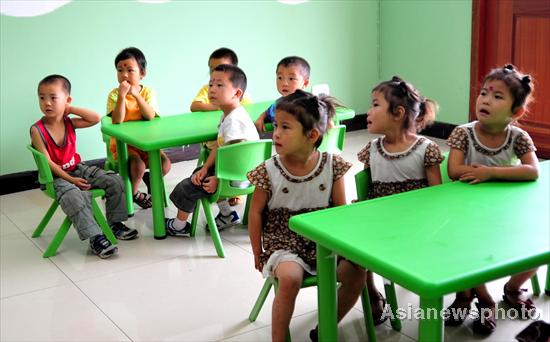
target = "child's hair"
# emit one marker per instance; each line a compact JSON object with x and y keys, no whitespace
{"x":311,"y":111}
{"x":295,"y":60}
{"x":65,"y":83}
{"x":420,"y":111}
{"x":225,"y":53}
{"x":519,"y":84}
{"x":237,"y":77}
{"x":135,"y":53}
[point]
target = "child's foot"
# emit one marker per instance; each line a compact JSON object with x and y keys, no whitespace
{"x":122,"y":232}
{"x":513,"y":298}
{"x":102,"y":247}
{"x":378,"y":305}
{"x":314,"y":334}
{"x":170,"y":230}
{"x":143,"y":200}
{"x":226,"y":221}
{"x":459,"y":309}
{"x":485,"y":322}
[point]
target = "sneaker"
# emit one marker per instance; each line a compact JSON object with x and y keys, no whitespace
{"x":314,"y":334}
{"x":122,"y":232}
{"x":102,"y":247}
{"x":170,"y":230}
{"x":226,"y":221}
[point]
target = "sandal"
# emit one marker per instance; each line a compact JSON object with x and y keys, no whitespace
{"x":485,"y":324}
{"x":143,"y":200}
{"x":513,"y":299}
{"x":378,"y":307}
{"x":459,"y":309}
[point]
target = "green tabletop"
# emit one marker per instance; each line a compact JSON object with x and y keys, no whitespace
{"x":169,"y":131}
{"x":437,"y":240}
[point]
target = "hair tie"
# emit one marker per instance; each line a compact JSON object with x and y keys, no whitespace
{"x":526,"y":80}
{"x":403,"y":87}
{"x":508,"y":68}
{"x":396,"y":79}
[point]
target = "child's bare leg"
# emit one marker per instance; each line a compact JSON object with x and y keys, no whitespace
{"x":166,"y":163}
{"x":137,"y":169}
{"x":352,"y":278}
{"x":519,"y":279}
{"x":182,"y":215}
{"x":370,"y":283}
{"x":483,"y":294}
{"x":512,"y":291}
{"x":290,"y":276}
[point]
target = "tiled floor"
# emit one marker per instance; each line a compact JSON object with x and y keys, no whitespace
{"x":170,"y":290}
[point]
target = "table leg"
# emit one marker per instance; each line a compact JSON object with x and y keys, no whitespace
{"x":326,"y":294}
{"x":157,"y":195}
{"x":122,"y":152}
{"x":547,"y":286}
{"x":431,"y":324}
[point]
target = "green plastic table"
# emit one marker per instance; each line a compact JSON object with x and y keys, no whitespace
{"x":433,"y":241}
{"x":169,"y":131}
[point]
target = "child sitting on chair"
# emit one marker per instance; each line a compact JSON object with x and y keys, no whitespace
{"x":54,"y":136}
{"x":132,"y":101}
{"x":226,"y":89}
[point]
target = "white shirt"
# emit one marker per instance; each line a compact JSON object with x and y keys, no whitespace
{"x":236,"y":125}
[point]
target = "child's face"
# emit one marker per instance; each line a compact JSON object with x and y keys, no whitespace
{"x":289,"y":79}
{"x":128,"y":70}
{"x":221,"y":91}
{"x":214,"y":62}
{"x":494,"y":104}
{"x":378,"y":116}
{"x":288,"y":134}
{"x":53,"y":99}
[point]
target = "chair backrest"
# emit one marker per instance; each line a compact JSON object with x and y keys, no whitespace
{"x":362,"y":183}
{"x":45,"y":176}
{"x":234,"y":161}
{"x":333,"y":141}
{"x":445,"y":169}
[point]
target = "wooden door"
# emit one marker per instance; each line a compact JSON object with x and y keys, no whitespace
{"x":517,"y":32}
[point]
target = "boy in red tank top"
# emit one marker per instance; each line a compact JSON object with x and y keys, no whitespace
{"x":54,"y":135}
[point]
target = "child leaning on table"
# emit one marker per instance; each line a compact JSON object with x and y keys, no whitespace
{"x":493,"y":147}
{"x":132,"y":101}
{"x":298,"y":179}
{"x":400,"y":160}
{"x":54,"y":135}
{"x":226,"y":89}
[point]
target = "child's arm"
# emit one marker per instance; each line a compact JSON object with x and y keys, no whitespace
{"x":338,"y":192}
{"x":255,"y":213}
{"x":199,"y":176}
{"x":433,"y":174}
{"x":456,"y":167}
{"x":85,"y":117}
{"x":119,"y":112}
{"x":197,"y":106}
{"x":147,"y":111}
{"x":528,"y":170}
{"x":38,"y":144}
{"x":259,"y":123}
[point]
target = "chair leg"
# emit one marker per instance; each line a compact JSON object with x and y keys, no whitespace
{"x":260,"y":300}
{"x":367,"y":312}
{"x":44,"y":222}
{"x":535,"y":284}
{"x":195,"y":218}
{"x":389,"y":288}
{"x":547,"y":286}
{"x":246,"y":208}
{"x":58,"y":238}
{"x":213,"y":228}
{"x":102,"y":222}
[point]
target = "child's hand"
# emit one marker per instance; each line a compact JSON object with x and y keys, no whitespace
{"x":198,"y":176}
{"x":257,"y":263}
{"x":81,"y":183}
{"x":260,"y":125}
{"x":210,"y":184}
{"x":477,"y":174}
{"x":134,"y":91}
{"x":124,"y":88}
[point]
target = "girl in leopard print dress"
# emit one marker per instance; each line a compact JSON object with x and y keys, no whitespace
{"x":400,"y":160}
{"x":298,"y":179}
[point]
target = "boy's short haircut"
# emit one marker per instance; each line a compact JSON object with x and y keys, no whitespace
{"x":236,"y":75}
{"x":65,"y":83}
{"x":225,"y":53}
{"x":295,"y":60}
{"x":135,"y":53}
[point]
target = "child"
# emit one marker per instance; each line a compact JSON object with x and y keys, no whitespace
{"x":299,"y":179}
{"x":487,"y":149}
{"x":400,"y":160}
{"x":226,"y":89}
{"x":54,"y":135}
{"x":292,"y":73}
{"x":129,"y":102}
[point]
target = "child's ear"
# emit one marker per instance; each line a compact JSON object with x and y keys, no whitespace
{"x":238,"y":93}
{"x":306,"y":83}
{"x":399,"y":113}
{"x":314,"y":135}
{"x":69,"y":99}
{"x":143,"y":72}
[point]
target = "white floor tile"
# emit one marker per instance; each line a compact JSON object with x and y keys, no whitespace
{"x":7,"y":227}
{"x":61,"y":313}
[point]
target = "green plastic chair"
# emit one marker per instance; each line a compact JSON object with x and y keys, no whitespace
{"x":362,"y":182}
{"x":232,"y":164}
{"x":534,"y":279}
{"x":333,"y":141}
{"x":310,"y":281}
{"x":45,"y":178}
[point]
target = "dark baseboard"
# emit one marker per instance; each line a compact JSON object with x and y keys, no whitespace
{"x":27,"y":180}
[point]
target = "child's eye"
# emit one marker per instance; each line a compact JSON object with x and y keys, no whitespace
{"x":54,"y":98}
{"x":498,"y":97}
{"x":483,"y":93}
{"x":279,"y":78}
{"x":292,"y":79}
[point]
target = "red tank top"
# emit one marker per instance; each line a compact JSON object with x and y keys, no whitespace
{"x":65,"y":154}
